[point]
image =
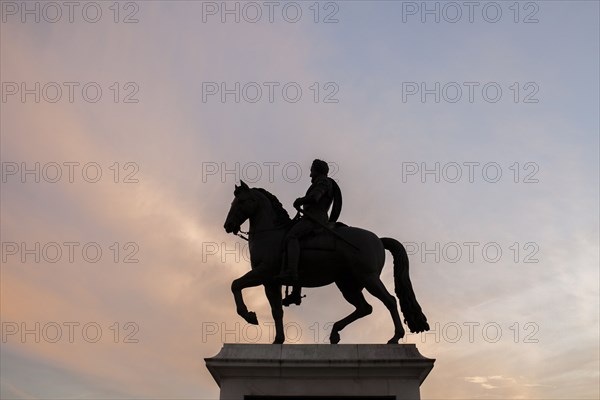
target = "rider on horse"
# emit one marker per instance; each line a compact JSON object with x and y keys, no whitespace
{"x":315,"y":204}
{"x":352,"y":268}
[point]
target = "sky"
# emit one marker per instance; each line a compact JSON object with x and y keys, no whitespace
{"x":467,"y":132}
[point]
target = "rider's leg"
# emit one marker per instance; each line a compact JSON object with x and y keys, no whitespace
{"x":290,"y":271}
{"x":293,"y":255}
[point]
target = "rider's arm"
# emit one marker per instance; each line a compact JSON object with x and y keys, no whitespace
{"x":316,"y":191}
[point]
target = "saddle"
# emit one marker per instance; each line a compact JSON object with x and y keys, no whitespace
{"x":320,"y":238}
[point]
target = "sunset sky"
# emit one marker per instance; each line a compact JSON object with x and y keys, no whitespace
{"x":473,"y":139}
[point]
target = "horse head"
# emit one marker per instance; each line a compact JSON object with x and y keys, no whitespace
{"x":242,"y":207}
{"x":262,"y":208}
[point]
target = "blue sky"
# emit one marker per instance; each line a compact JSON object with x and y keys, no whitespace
{"x":178,"y":291}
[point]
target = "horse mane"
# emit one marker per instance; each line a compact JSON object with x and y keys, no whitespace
{"x":281,"y":215}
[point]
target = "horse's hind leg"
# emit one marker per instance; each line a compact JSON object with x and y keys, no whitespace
{"x":353,"y":294}
{"x":374,"y":285}
{"x":273,"y":292}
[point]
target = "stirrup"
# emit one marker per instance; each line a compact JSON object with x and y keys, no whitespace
{"x":291,"y":298}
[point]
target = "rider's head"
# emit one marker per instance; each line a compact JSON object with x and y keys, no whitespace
{"x":319,"y":167}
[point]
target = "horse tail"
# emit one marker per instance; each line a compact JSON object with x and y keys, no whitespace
{"x":413,"y":316}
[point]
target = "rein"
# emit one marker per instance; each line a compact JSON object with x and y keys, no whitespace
{"x":241,"y":233}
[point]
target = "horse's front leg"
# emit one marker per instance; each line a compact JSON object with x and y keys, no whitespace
{"x":273,"y":292}
{"x":252,"y":278}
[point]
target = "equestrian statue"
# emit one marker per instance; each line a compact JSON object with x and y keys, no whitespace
{"x":314,"y":250}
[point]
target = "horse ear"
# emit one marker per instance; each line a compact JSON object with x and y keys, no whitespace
{"x":243,"y":185}
{"x":236,"y":186}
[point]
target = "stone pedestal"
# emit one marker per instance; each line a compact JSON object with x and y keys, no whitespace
{"x":319,"y":371}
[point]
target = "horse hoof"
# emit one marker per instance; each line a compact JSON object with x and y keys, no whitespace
{"x":393,"y":341}
{"x":279,"y":340}
{"x":334,"y":338}
{"x":251,"y":318}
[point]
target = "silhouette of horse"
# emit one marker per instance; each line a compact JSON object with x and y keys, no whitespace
{"x":350,"y":269}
